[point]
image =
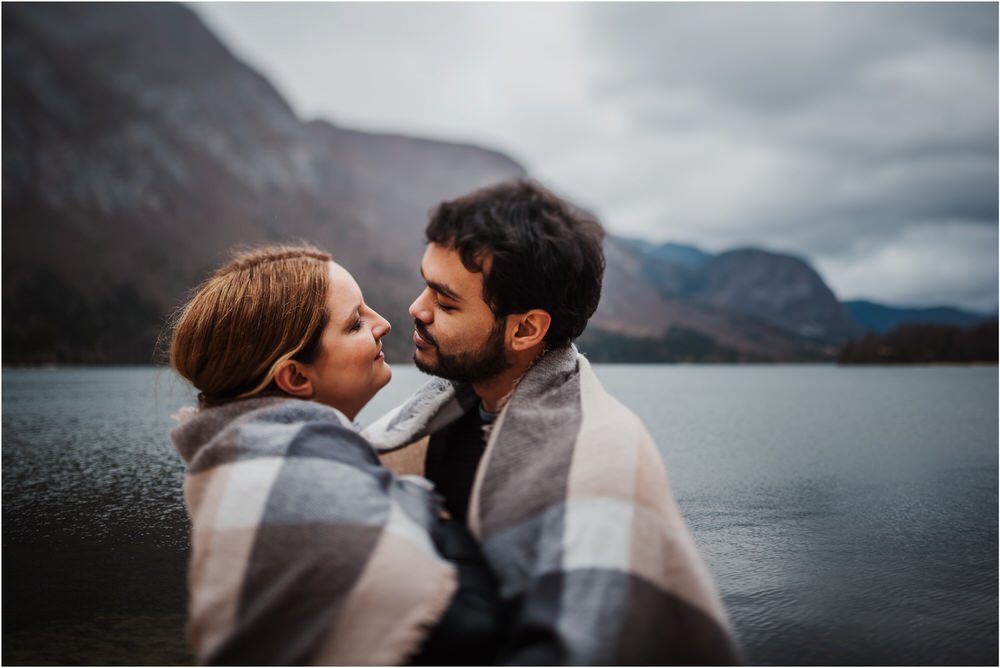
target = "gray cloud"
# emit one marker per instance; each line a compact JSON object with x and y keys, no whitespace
{"x":833,"y":130}
{"x":863,"y":136}
{"x":943,"y":263}
{"x":775,"y":57}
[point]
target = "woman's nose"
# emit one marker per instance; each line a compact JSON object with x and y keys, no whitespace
{"x":381,"y":328}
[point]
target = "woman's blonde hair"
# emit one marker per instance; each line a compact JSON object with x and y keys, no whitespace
{"x":264,"y":306}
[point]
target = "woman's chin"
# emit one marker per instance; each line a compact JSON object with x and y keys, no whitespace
{"x":385,"y":375}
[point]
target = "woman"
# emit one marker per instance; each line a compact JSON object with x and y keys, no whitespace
{"x":305,"y":550}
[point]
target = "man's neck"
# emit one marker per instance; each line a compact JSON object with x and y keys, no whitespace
{"x":494,"y":391}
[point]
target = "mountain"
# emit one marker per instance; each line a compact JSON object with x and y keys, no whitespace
{"x":775,"y":289}
{"x":672,"y":268}
{"x":641,"y":319}
{"x":137,"y":151}
{"x":880,"y":318}
{"x":778,"y":289}
{"x":669,"y":253}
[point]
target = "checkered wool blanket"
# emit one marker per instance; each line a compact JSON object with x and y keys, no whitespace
{"x":574,"y":512}
{"x":305,"y":549}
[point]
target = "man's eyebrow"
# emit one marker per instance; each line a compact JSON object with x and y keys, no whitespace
{"x":440,"y":288}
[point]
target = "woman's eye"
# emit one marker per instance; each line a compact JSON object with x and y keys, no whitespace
{"x":356,"y":326}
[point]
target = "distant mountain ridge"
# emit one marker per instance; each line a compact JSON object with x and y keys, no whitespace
{"x":881,"y":318}
{"x":777,"y":288}
{"x":138,"y":151}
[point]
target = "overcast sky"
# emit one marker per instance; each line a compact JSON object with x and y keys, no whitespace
{"x":862,"y":137}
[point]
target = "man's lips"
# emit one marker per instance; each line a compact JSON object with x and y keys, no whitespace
{"x":421,"y":339}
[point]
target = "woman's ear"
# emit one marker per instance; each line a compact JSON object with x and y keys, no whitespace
{"x":531,"y":328}
{"x":290,"y":377}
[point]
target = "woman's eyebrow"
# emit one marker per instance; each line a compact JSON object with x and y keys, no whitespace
{"x":352,"y":314}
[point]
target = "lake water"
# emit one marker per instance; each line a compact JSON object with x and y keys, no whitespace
{"x":849,"y":515}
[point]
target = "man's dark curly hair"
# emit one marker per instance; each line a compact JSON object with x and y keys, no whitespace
{"x":543,"y":252}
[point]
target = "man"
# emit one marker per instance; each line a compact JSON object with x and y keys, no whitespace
{"x":560,"y":482}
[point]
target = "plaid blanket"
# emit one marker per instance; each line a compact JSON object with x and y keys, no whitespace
{"x":574,"y":512}
{"x":305,"y":549}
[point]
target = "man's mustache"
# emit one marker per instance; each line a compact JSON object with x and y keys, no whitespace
{"x":424,"y":334}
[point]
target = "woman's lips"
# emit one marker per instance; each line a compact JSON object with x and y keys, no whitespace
{"x":380,"y":356}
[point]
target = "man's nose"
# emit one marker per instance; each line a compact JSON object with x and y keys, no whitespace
{"x":419,"y":308}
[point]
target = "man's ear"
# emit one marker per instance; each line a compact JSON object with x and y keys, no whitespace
{"x":289,"y":376}
{"x":530,"y":329}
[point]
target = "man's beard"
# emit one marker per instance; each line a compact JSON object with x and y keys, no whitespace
{"x":489,"y":360}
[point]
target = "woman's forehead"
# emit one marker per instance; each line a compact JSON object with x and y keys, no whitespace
{"x":345,"y":294}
